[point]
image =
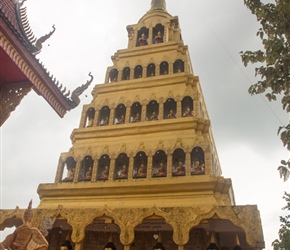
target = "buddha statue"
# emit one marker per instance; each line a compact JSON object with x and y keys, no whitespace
{"x":158,"y":38}
{"x":179,"y":169}
{"x":137,"y":118}
{"x":188,"y":112}
{"x":198,"y":169}
{"x":142,"y":40}
{"x":171,"y":114}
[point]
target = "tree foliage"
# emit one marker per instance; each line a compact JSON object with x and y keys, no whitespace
{"x":274,"y":70}
{"x":284,"y":232}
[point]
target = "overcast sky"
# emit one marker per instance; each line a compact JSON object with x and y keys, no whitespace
{"x":88,"y":32}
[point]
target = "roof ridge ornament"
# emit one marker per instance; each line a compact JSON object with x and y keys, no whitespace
{"x":21,"y":15}
{"x":158,"y":5}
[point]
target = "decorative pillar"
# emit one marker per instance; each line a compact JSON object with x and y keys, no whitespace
{"x":150,"y":35}
{"x":157,"y":69}
{"x":107,"y":76}
{"x":170,"y":66}
{"x":127,"y":118}
{"x":132,"y":73}
{"x":60,"y":170}
{"x":180,"y":247}
{"x":178,"y":108}
{"x":77,"y":170}
{"x":149,"y":165}
{"x":131,"y":166}
{"x":169,"y":163}
{"x":120,"y":72}
{"x":95,"y":169}
{"x":144,"y":72}
{"x":112,"y":115}
{"x":188,"y":162}
{"x":161,"y":109}
{"x":143,"y":116}
{"x":112,"y":168}
{"x":196,"y":107}
{"x":96,"y":118}
{"x":83,"y":118}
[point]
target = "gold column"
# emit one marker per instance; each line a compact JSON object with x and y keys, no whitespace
{"x":150,"y":35}
{"x":95,"y":168}
{"x":77,"y":171}
{"x":143,"y":116}
{"x":131,"y":166}
{"x":127,"y":118}
{"x":157,"y":69}
{"x":188,"y":163}
{"x":96,"y":118}
{"x":112,"y":115}
{"x":60,"y":170}
{"x":178,"y":109}
{"x":120,"y":72}
{"x":170,"y":68}
{"x":131,"y":73}
{"x":144,"y":72}
{"x":161,"y":109}
{"x":112,"y":168}
{"x":149,"y":165}
{"x":180,"y":247}
{"x":169,"y":163}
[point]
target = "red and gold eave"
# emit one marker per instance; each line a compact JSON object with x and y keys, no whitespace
{"x":20,"y":71}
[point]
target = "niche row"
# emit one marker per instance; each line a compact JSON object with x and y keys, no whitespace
{"x":152,"y":112}
{"x":120,"y":168}
{"x":151,"y":70}
{"x":147,"y":36}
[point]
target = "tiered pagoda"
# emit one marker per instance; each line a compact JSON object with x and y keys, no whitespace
{"x":143,"y":170}
{"x":21,"y":71}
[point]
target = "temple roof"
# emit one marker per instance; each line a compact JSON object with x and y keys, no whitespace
{"x":21,"y":71}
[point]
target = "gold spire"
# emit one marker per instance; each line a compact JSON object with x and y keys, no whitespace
{"x":158,"y":5}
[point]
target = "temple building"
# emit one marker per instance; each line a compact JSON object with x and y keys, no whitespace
{"x":143,"y":171}
{"x":21,"y":71}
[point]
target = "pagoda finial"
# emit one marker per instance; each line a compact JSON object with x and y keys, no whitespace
{"x":158,"y":5}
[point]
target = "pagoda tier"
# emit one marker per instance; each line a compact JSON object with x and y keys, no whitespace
{"x":143,"y":166}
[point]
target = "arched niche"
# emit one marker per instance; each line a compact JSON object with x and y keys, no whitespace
{"x":138,"y":71}
{"x":142,"y":37}
{"x":158,"y":34}
{"x":113,"y":76}
{"x":90,"y":115}
{"x":164,"y":68}
{"x":120,"y":114}
{"x":151,"y":231}
{"x":187,"y":106}
{"x":140,"y":165}
{"x":126,"y":73}
{"x":151,"y":70}
{"x":169,"y":109}
{"x":136,"y":112}
{"x":178,"y":66}
{"x":104,"y":117}
{"x":70,"y":166}
{"x":103,"y":167}
{"x":152,"y":111}
{"x":200,"y":237}
{"x":121,"y":167}
{"x":159,"y":164}
{"x":86,"y":169}
{"x":59,"y":232}
{"x":178,"y":162}
{"x":197,"y":161}
{"x":99,"y":232}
